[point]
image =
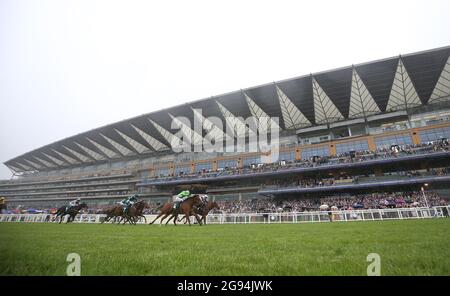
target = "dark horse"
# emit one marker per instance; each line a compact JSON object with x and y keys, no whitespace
{"x":203,"y":211}
{"x":135,"y":213}
{"x":71,"y":211}
{"x":113,"y":212}
{"x":184,"y":208}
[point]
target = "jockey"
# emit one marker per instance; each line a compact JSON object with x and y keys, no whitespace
{"x":180,"y":198}
{"x":74,"y":203}
{"x":128,"y":202}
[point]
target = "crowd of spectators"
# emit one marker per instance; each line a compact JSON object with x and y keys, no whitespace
{"x":338,"y":202}
{"x":311,"y":182}
{"x":379,"y":200}
{"x":394,"y":151}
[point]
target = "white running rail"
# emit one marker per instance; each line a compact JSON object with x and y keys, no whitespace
{"x":268,"y":218}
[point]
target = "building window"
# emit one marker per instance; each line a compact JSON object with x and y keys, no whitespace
{"x":182,"y":170}
{"x":388,"y":141}
{"x":203,"y":166}
{"x":434,"y":134}
{"x":118,"y":165}
{"x":252,"y":160}
{"x":321,"y":151}
{"x":228,"y":163}
{"x":162,"y":172}
{"x":288,"y":156}
{"x":144,"y":174}
{"x":342,"y":148}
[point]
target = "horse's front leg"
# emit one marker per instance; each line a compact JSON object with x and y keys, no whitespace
{"x":188,"y":219}
{"x":163,"y":218}
{"x":159,"y":215}
{"x":199,"y":220}
{"x":170,"y":219}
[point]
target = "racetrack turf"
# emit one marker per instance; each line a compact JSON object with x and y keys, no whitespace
{"x":412,"y":247}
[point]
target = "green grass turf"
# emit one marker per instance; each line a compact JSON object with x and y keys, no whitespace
{"x":413,"y":247}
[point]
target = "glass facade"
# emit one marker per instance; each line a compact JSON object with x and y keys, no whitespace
{"x":386,"y":142}
{"x":287,"y":156}
{"x":118,"y":165}
{"x":144,"y":174}
{"x":352,"y":146}
{"x":186,"y":169}
{"x":230,"y":163}
{"x":252,"y":160}
{"x":315,"y":151}
{"x":434,"y":134}
{"x":203,"y":166}
{"x":161,"y":172}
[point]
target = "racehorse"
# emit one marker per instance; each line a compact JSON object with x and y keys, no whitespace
{"x":135,"y":213}
{"x":113,"y":212}
{"x":72,"y":212}
{"x":184,"y":208}
{"x":204,"y":211}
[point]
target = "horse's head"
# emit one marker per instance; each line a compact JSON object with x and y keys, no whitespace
{"x":215,"y":205}
{"x":196,"y":199}
{"x":141,"y":205}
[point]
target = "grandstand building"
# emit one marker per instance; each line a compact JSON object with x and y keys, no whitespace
{"x":378,"y":126}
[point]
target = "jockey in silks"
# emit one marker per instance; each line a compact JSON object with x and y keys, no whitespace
{"x":180,"y":198}
{"x":128,"y":202}
{"x":73,"y":203}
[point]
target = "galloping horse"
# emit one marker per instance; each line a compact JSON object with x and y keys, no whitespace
{"x":113,"y":212}
{"x":184,"y":208}
{"x":72,"y":212}
{"x":204,"y":211}
{"x":135,"y":213}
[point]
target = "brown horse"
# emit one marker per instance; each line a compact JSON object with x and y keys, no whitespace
{"x":113,"y":212}
{"x":135,"y":213}
{"x":71,"y":211}
{"x":184,"y":208}
{"x":204,"y":211}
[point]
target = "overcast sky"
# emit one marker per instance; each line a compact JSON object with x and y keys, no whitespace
{"x":70,"y":66}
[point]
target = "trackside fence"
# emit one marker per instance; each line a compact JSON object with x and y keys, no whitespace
{"x":268,"y":218}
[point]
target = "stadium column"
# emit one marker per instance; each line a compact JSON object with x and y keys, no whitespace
{"x":332,"y":149}
{"x":240,"y":163}
{"x":415,"y":136}
{"x":298,"y":154}
{"x":371,"y":143}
